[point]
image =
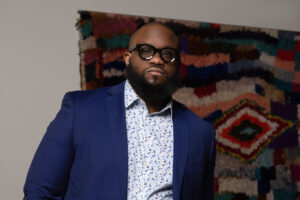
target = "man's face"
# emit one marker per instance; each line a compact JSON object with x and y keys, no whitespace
{"x":154,"y":71}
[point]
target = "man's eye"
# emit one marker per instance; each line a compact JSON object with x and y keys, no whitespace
{"x":168,"y":53}
{"x":146,"y":50}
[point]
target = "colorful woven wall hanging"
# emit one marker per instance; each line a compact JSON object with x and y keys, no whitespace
{"x":246,"y":81}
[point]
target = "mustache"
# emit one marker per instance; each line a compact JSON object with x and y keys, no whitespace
{"x":158,"y":66}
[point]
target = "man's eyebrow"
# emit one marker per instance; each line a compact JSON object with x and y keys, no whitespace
{"x":167,"y":46}
{"x":170,"y":47}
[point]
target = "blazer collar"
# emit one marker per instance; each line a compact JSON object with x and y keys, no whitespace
{"x":117,"y":89}
{"x":117,"y":127}
{"x":181,"y":145}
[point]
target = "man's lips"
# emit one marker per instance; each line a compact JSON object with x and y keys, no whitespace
{"x":156,"y":71}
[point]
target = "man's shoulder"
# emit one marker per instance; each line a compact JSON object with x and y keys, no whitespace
{"x":195,"y":119}
{"x":99,"y":93}
{"x":79,"y":94}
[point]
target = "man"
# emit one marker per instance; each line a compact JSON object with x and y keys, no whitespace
{"x":130,"y":141}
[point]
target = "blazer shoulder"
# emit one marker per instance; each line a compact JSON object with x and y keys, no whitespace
{"x":102,"y":92}
{"x":86,"y":94}
{"x":195,"y":119}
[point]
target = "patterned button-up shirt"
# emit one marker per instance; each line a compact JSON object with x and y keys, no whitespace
{"x":150,"y":149}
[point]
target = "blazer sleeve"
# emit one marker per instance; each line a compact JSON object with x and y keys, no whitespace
{"x":209,"y":170}
{"x":48,"y":174}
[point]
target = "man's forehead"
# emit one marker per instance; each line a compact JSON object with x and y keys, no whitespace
{"x":156,"y":34}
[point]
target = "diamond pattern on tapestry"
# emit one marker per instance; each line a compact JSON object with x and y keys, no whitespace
{"x":246,"y":129}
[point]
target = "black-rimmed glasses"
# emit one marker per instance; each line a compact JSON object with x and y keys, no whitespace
{"x":147,"y":51}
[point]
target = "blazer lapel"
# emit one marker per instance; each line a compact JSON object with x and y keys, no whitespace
{"x":117,"y":126}
{"x":181,"y":144}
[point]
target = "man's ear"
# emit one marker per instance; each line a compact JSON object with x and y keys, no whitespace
{"x":126,"y":57}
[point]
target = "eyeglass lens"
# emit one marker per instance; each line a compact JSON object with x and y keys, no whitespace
{"x":147,"y":52}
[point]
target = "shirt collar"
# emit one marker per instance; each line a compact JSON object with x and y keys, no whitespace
{"x":131,"y":97}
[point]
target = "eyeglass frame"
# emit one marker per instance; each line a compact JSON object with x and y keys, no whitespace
{"x":159,"y":50}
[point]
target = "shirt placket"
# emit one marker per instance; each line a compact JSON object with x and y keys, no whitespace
{"x":145,"y":136}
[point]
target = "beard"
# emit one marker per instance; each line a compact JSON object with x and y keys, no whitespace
{"x":152,"y":93}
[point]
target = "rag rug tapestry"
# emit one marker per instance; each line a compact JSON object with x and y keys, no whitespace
{"x":244,"y":80}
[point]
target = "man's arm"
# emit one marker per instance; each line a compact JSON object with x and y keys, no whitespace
{"x":49,"y":171}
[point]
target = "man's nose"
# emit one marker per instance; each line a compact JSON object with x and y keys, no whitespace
{"x":156,"y":59}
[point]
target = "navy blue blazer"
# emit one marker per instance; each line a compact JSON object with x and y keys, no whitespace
{"x":83,"y":154}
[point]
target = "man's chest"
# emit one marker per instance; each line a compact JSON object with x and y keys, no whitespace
{"x":150,"y":153}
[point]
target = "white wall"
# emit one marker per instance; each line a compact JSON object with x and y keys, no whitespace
{"x":278,"y":14}
{"x":39,"y":60}
{"x":38,"y":64}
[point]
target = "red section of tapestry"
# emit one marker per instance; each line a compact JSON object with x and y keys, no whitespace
{"x":286,"y":54}
{"x":183,"y":71}
{"x":91,"y":56}
{"x":279,"y":157}
{"x":296,"y":87}
{"x":205,"y":91}
{"x":295,"y":173}
{"x":297,"y":46}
